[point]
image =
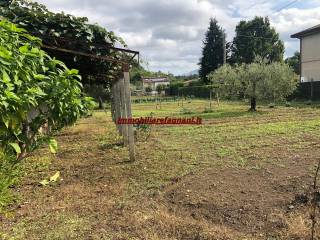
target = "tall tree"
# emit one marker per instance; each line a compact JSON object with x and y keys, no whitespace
{"x":294,"y":62}
{"x":256,"y":38}
{"x":212,"y":51}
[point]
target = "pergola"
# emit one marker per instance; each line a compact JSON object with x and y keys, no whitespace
{"x":120,"y":87}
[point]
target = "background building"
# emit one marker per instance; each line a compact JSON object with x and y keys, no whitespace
{"x":153,"y":82}
{"x":310,"y":53}
{"x":309,"y":63}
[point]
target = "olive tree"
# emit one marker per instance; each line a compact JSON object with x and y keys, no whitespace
{"x":281,"y":83}
{"x":225,"y":81}
{"x":257,"y":80}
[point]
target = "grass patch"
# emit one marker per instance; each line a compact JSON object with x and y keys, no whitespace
{"x":10,"y":172}
{"x":62,"y":226}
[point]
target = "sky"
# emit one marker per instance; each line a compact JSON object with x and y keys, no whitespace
{"x":169,"y":33}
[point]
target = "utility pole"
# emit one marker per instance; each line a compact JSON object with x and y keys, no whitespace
{"x":224,"y":49}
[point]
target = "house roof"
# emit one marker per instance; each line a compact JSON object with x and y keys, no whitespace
{"x":155,"y":79}
{"x":307,"y":32}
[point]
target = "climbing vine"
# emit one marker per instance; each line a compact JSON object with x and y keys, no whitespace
{"x":69,"y":32}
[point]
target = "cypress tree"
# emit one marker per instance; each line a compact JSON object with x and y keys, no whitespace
{"x":212,"y":51}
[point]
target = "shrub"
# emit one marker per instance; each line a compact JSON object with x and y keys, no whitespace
{"x":35,"y":90}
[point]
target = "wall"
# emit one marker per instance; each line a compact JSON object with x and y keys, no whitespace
{"x":310,"y":58}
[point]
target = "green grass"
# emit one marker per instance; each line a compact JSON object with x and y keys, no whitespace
{"x":66,"y":226}
{"x":10,"y":173}
{"x":236,"y":138}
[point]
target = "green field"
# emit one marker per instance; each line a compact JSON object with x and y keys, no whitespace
{"x":239,"y":175}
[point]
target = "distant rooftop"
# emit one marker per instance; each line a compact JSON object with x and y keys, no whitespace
{"x":154,"y":79}
{"x":307,"y":32}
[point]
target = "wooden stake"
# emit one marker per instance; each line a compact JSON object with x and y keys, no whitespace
{"x":129,"y":112}
{"x":123,"y":109}
{"x":117,"y":105}
{"x":113,"y":104}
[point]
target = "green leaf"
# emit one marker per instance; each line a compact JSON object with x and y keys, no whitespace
{"x":24,"y":49}
{"x":44,"y":182}
{"x":16,"y":147}
{"x":4,"y":53}
{"x":55,"y":177}
{"x":5,"y":77}
{"x":53,"y":145}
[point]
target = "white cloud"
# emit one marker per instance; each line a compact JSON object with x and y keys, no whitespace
{"x":169,"y":33}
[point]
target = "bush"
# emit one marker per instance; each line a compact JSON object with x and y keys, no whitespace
{"x":35,"y":90}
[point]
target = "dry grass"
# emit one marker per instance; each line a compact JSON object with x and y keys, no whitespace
{"x":190,"y":182}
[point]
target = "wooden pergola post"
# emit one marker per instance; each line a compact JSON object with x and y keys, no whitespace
{"x":117,"y":107}
{"x":113,"y":104}
{"x":127,"y":94}
{"x":121,"y":99}
{"x":123,"y":109}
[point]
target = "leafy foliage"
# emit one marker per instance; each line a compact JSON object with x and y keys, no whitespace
{"x":274,"y":81}
{"x":173,"y":88}
{"x":35,"y":90}
{"x":226,"y":82}
{"x":69,"y":32}
{"x":294,"y":62}
{"x":212,"y":52}
{"x":148,"y":89}
{"x":160,"y":88}
{"x":137,"y":72}
{"x":256,"y":38}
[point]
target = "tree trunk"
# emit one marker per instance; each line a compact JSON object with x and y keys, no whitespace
{"x":253,"y":107}
{"x":311,"y":90}
{"x":100,"y":103}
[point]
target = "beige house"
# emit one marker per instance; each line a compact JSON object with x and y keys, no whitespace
{"x":153,"y":82}
{"x":310,"y":53}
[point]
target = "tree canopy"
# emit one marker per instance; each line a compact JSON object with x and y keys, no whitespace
{"x":69,"y":32}
{"x":212,"y":51}
{"x":256,"y":38}
{"x":294,"y":62}
{"x":257,"y":80}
